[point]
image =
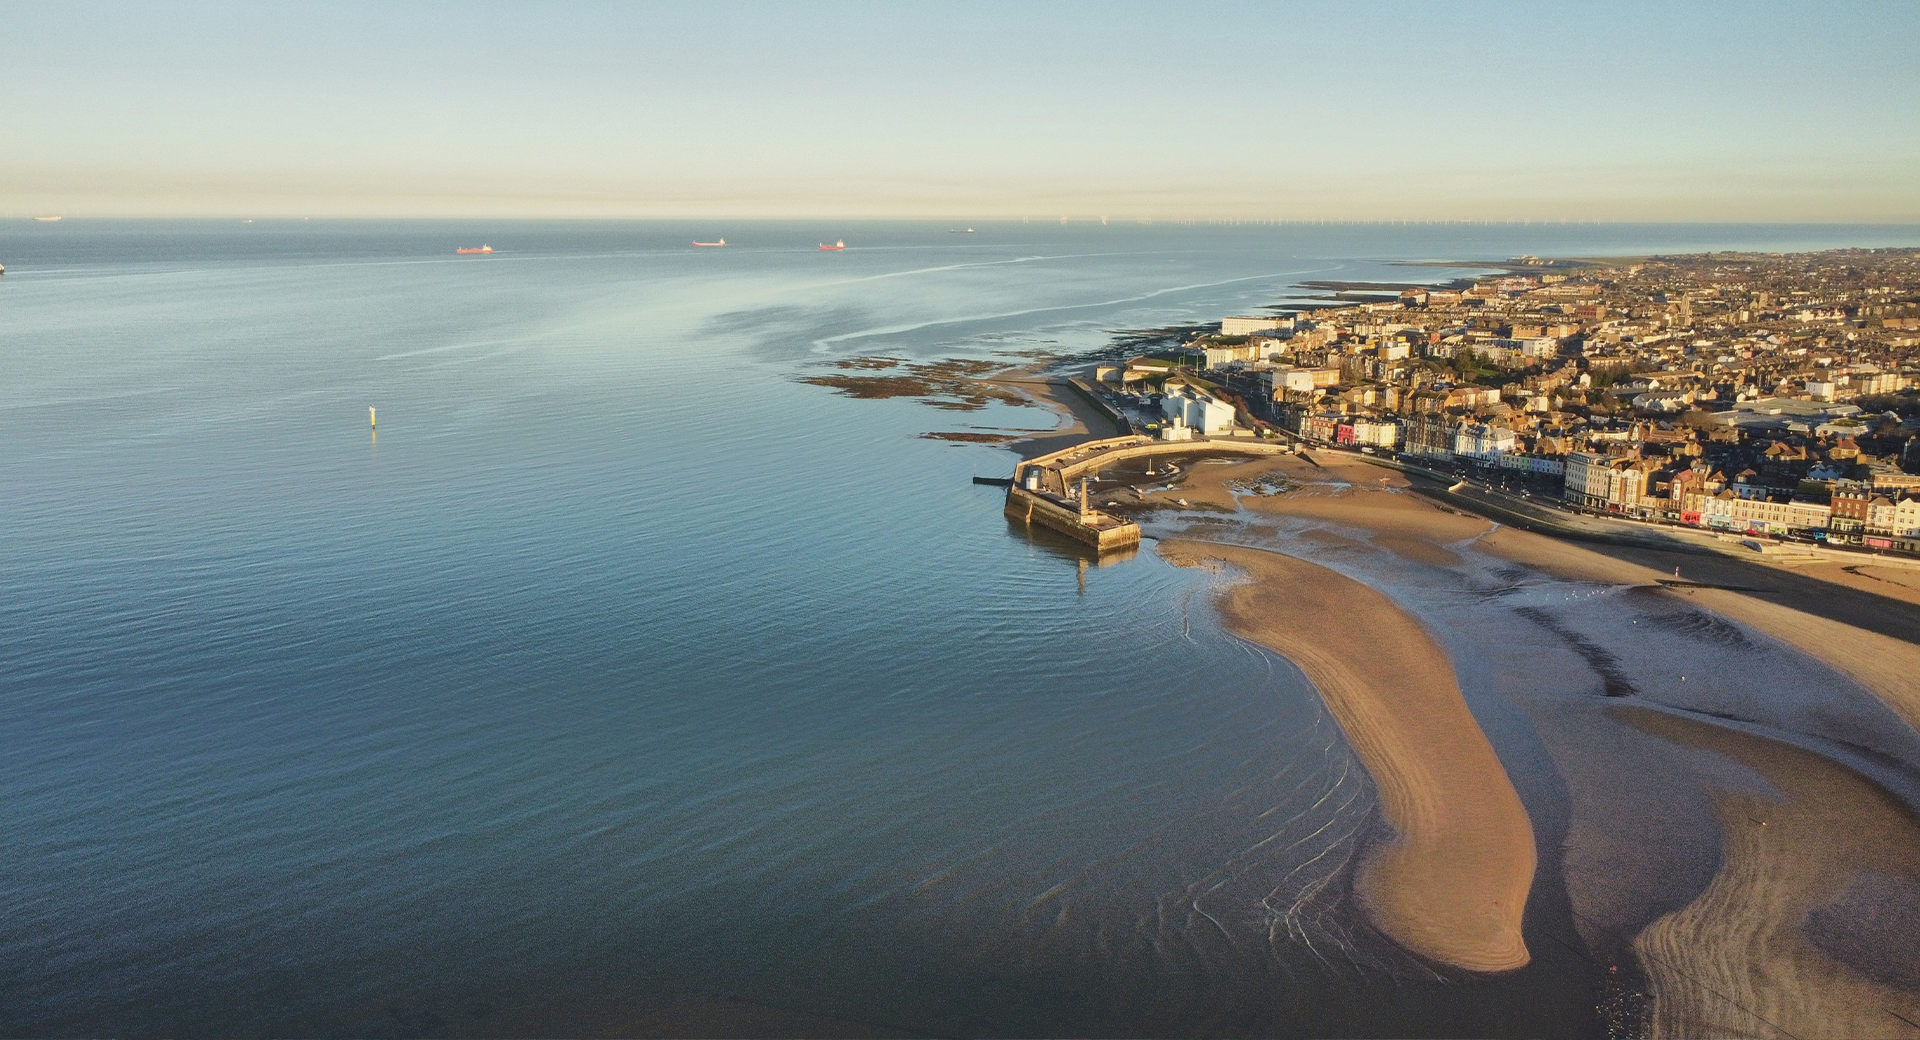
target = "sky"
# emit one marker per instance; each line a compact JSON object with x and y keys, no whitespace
{"x":1696,"y":111}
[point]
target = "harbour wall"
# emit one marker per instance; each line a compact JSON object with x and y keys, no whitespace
{"x":1061,"y":468}
{"x":1028,"y":507}
{"x":1052,"y":506}
{"x":1086,"y":390}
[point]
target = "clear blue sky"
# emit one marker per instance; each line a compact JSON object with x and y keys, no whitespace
{"x":1356,"y":110}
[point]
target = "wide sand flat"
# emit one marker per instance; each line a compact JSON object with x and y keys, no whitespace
{"x":1889,"y":668}
{"x":1811,"y":927}
{"x":1795,"y":894}
{"x":1347,"y":493}
{"x":1452,"y":883}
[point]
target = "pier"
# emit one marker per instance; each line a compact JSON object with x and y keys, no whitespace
{"x":1051,"y":490}
{"x":1074,"y":518}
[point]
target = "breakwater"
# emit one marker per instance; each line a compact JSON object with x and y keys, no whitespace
{"x":1057,"y":470}
{"x":1090,"y":527}
{"x":1044,"y":491}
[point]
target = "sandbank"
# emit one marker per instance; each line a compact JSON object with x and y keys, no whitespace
{"x":1347,"y":493}
{"x":1335,"y":490}
{"x":1800,"y":927}
{"x":1452,"y":882}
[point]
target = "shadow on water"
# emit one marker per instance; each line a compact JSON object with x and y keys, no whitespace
{"x":1058,"y":546}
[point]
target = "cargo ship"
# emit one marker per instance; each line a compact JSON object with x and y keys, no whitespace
{"x":836,"y":247}
{"x":482,"y":249}
{"x":722,"y":242}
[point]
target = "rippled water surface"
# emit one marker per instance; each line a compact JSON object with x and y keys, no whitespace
{"x":624,"y":683}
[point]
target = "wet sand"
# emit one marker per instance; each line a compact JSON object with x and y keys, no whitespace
{"x":1801,"y":927}
{"x":1079,"y":419}
{"x":1809,"y":928}
{"x":1344,"y":493}
{"x":1877,"y":596}
{"x":1452,"y":881}
{"x":1886,"y":666}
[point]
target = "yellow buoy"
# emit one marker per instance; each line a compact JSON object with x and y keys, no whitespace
{"x":372,"y":419}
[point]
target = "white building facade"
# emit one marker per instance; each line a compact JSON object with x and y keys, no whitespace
{"x":1589,"y":478}
{"x":1244,"y":326}
{"x":1196,"y":408}
{"x":1483,"y":442}
{"x":1378,"y":433}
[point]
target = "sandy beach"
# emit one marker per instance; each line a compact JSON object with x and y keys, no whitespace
{"x":1675,"y":722}
{"x":1884,"y":665}
{"x":1808,"y":927}
{"x":1451,"y":882}
{"x":1897,"y":583}
{"x":1079,"y":419}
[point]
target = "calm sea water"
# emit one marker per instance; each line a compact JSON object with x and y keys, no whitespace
{"x":626,"y":684}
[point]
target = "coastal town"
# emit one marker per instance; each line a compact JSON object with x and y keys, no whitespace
{"x":1766,"y":395}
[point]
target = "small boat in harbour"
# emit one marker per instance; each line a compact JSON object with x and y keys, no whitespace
{"x":722,"y":242}
{"x":482,"y":249}
{"x":836,"y":247}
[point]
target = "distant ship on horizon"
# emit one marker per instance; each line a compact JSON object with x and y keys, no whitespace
{"x":960,"y":231}
{"x":838,"y":246}
{"x":47,"y":220}
{"x":482,"y":249}
{"x":722,"y":242}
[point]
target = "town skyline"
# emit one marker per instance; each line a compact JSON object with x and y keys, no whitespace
{"x":1727,"y":391}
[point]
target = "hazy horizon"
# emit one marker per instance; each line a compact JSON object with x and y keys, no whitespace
{"x":1713,"y":113}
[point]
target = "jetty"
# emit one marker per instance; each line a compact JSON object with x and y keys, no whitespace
{"x":1052,"y":490}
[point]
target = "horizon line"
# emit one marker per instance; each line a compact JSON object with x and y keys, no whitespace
{"x":1067,"y":220}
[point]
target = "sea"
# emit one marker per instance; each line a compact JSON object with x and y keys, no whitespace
{"x":621,"y":683}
